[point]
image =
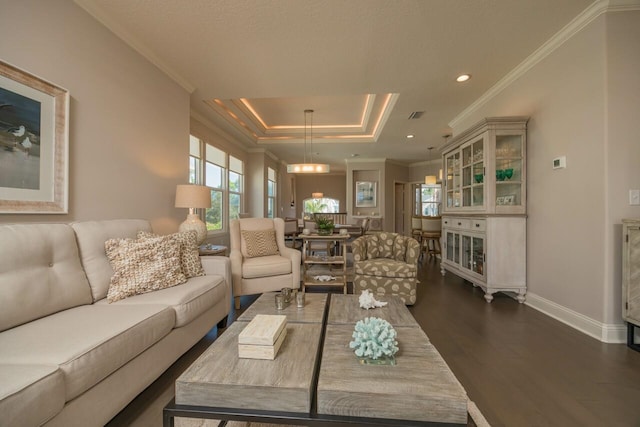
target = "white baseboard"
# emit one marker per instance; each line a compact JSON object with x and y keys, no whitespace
{"x":609,"y":333}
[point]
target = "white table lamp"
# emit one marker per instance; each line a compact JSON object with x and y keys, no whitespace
{"x":192,"y":197}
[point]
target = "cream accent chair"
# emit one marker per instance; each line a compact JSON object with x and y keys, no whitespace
{"x":386,"y":264}
{"x":263,"y":273}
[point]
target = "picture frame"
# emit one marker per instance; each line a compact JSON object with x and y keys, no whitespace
{"x":366,"y":192}
{"x":34,"y":141}
{"x":509,"y":200}
{"x":500,"y":200}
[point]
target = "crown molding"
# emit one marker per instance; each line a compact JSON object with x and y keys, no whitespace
{"x":596,"y":9}
{"x":213,"y":127}
{"x":97,"y":13}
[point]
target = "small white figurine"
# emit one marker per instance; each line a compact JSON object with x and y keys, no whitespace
{"x":367,"y":300}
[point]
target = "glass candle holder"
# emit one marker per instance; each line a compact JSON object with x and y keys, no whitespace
{"x":300,"y":299}
{"x":286,"y":294}
{"x":279,"y":302}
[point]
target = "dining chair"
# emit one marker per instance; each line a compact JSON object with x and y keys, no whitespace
{"x":431,"y":233}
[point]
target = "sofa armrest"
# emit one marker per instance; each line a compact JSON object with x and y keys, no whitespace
{"x":235,"y":256}
{"x":359,"y":249}
{"x":413,"y":251}
{"x":296,"y":257}
{"x":219,"y":265}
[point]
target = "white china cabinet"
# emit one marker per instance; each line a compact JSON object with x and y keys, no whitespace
{"x":484,"y":208}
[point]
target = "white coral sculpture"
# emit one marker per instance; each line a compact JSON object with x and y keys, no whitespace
{"x":367,"y":300}
{"x":374,"y":338}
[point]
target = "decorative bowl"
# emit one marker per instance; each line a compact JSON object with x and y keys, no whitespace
{"x":500,"y":174}
{"x":478,"y":177}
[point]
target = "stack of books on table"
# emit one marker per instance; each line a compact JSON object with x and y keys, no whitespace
{"x":262,"y":337}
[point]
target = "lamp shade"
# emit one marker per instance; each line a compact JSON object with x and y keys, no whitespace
{"x":193,"y":196}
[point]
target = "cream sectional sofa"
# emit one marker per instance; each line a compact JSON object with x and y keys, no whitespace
{"x":67,"y":356}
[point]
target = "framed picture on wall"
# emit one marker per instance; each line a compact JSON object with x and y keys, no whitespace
{"x":34,"y":125}
{"x":366,"y":194}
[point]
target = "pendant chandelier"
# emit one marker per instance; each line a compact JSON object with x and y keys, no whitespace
{"x":430,"y":179}
{"x":308,"y":167}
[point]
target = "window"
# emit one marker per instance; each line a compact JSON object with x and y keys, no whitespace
{"x":208,"y":166}
{"x":236,"y":185}
{"x":271,"y":192}
{"x":325,"y":204}
{"x":426,"y":199}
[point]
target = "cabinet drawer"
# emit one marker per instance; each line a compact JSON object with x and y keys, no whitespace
{"x":457,"y":223}
{"x":478,"y":225}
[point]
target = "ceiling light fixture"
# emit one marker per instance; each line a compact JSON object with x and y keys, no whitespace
{"x":410,"y":136}
{"x":308,"y":167}
{"x":430,"y":179}
{"x":463,"y":78}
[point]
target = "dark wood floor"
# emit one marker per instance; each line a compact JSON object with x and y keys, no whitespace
{"x":521,"y":367}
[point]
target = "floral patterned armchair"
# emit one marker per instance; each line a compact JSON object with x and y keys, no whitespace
{"x":386,"y":264}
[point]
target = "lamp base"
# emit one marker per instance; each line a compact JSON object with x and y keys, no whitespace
{"x":193,"y":222}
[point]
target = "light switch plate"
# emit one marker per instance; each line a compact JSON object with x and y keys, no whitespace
{"x":634,"y":197}
{"x":560,"y":162}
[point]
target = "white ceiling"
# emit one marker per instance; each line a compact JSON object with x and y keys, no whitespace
{"x":268,"y":60}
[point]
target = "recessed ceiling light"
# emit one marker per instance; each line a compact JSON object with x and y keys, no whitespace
{"x":355,"y":155}
{"x":463,"y":78}
{"x":410,"y":136}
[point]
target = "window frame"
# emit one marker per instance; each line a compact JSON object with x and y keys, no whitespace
{"x":198,"y":175}
{"x":420,"y":205}
{"x":272,"y":192}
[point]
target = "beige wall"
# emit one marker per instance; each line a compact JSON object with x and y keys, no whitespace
{"x":583,"y":100}
{"x":129,"y":123}
{"x":622,"y":155}
{"x":331,"y":185}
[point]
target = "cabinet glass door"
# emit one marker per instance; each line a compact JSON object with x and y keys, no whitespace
{"x":453,"y":181}
{"x":466,"y":252}
{"x":509,"y":170}
{"x":473,"y":174}
{"x":473,"y":253}
{"x":477,"y":255}
{"x":453,"y":247}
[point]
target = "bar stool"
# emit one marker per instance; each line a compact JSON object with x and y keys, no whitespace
{"x":416,"y":228}
{"x":431,"y":232}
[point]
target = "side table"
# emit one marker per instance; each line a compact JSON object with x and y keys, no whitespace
{"x":212,"y":250}
{"x":318,"y":267}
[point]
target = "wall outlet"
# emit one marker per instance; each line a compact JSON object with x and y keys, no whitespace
{"x":634,"y":197}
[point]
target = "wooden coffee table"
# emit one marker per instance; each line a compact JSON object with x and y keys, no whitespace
{"x":316,"y":380}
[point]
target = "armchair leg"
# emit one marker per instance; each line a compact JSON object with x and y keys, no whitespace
{"x":236,"y":302}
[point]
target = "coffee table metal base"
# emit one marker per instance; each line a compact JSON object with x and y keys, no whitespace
{"x":290,"y":418}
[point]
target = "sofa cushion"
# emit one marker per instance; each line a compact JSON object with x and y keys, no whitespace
{"x":40,"y":272}
{"x":188,"y":300}
{"x":258,"y":243}
{"x":189,"y":255}
{"x":264,"y":266}
{"x":141,"y":266}
{"x":88,"y":342}
{"x":384,"y":267}
{"x":91,"y":236}
{"x":30,"y":394}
